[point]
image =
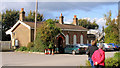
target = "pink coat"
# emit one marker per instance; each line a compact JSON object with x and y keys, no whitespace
{"x":99,"y":57}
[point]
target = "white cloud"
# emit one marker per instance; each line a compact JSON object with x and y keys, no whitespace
{"x":68,"y":21}
{"x":101,"y":22}
{"x":87,"y":18}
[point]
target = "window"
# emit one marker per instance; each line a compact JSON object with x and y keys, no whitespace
{"x":74,"y":39}
{"x":81,"y":39}
{"x":67,"y":39}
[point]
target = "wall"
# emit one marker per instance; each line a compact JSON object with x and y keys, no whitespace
{"x":78,"y":34}
{"x":22,"y":34}
{"x":5,"y":45}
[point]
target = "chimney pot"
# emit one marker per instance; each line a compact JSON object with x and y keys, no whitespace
{"x":75,"y":20}
{"x":22,"y":9}
{"x":61,"y":19}
{"x":22,"y":15}
{"x":61,"y":14}
{"x":75,"y":16}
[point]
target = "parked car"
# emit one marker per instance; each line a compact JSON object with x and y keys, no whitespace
{"x":77,"y":49}
{"x":106,"y":46}
{"x":115,"y":47}
{"x":118,"y":46}
{"x":83,"y":45}
{"x":88,"y":44}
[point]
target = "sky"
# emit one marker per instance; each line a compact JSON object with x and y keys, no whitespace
{"x":51,"y":9}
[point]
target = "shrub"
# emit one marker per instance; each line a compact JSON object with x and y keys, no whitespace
{"x":23,"y":48}
{"x":112,"y":62}
{"x":117,"y":55}
{"x":39,"y":46}
{"x":30,"y":45}
{"x":88,"y":63}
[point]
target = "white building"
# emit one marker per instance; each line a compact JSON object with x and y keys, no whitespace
{"x":96,"y":32}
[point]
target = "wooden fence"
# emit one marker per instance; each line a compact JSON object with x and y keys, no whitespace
{"x":5,"y":45}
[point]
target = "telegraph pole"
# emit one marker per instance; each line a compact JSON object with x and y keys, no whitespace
{"x":35,"y":20}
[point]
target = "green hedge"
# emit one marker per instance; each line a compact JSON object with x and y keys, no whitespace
{"x":23,"y":48}
{"x":38,"y":47}
{"x":112,"y":62}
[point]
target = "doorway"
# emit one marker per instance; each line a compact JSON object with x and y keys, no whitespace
{"x":60,"y":45}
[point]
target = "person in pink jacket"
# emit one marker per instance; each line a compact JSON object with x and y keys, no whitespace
{"x":98,"y":57}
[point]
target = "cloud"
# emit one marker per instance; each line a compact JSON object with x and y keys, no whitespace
{"x":101,"y":22}
{"x":64,"y":6}
{"x":56,"y":6}
{"x":61,"y":0}
{"x":50,"y":9}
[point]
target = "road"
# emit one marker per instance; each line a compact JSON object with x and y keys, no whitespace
{"x":30,"y":59}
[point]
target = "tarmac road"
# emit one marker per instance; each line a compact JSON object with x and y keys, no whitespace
{"x":30,"y":59}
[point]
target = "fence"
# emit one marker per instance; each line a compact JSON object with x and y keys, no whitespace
{"x":5,"y":45}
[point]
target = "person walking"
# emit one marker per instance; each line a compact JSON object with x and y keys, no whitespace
{"x":91,"y":50}
{"x":98,"y":57}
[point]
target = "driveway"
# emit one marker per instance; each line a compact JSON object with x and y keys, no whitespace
{"x":30,"y":59}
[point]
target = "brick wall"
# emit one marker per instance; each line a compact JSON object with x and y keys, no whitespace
{"x":78,"y":34}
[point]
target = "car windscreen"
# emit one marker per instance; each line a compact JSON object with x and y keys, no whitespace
{"x":77,"y":46}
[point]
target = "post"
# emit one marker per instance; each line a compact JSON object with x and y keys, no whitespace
{"x":35,"y":20}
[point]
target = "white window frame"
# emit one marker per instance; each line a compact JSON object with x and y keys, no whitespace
{"x":67,"y":39}
{"x":81,"y":39}
{"x":74,"y":39}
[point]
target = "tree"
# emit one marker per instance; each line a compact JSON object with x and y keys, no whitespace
{"x":111,"y":31}
{"x":9,"y":18}
{"x":0,"y":17}
{"x":87,"y":24}
{"x":31,"y":17}
{"x":46,"y":34}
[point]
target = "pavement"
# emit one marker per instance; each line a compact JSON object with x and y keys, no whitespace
{"x":39,"y":59}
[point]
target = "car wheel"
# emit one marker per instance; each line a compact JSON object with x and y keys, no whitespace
{"x":114,"y":49}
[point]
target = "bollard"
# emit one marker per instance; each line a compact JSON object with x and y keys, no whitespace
{"x":73,"y":52}
{"x":52,"y":52}
{"x":48,"y":51}
{"x":45,"y":52}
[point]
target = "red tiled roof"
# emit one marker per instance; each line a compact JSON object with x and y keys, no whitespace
{"x":70,"y":26}
{"x":62,"y":26}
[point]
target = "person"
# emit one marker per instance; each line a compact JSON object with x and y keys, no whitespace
{"x":98,"y":57}
{"x":91,"y":50}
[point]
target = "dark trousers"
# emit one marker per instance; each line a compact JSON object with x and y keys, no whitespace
{"x":91,"y":62}
{"x":99,"y":66}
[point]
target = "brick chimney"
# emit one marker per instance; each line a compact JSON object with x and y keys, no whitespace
{"x":75,"y":20}
{"x":61,"y":19}
{"x":22,"y":15}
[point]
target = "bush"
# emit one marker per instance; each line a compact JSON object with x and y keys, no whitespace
{"x":111,"y":62}
{"x":88,"y":63}
{"x":39,"y":46}
{"x":117,"y":55}
{"x":22,"y":48}
{"x":30,"y":45}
